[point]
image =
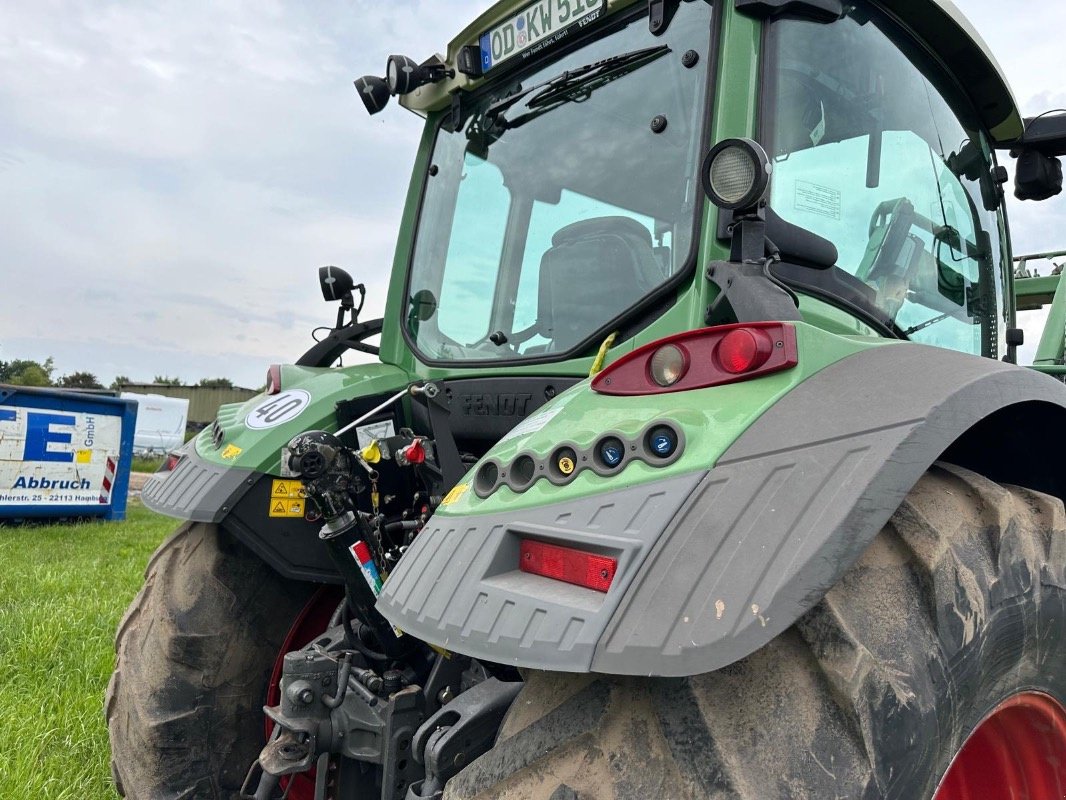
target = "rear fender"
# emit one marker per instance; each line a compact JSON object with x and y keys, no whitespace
{"x":231,"y":480}
{"x":728,"y":558}
{"x":798,"y":497}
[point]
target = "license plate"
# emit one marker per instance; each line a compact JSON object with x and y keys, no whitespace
{"x":539,"y":25}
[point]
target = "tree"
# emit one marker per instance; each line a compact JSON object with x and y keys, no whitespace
{"x":163,"y":380}
{"x":119,"y":382}
{"x":23,"y":372}
{"x":216,"y":383}
{"x":80,"y":380}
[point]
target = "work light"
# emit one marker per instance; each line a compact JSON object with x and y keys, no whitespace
{"x":373,"y":91}
{"x":736,"y":174}
{"x":402,"y":74}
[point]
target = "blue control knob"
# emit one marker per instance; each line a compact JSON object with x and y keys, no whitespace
{"x":662,"y":442}
{"x":612,"y":452}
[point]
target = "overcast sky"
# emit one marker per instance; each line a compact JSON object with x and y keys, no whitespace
{"x":172,"y":174}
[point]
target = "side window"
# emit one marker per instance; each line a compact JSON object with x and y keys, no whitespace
{"x":473,"y":259}
{"x":876,"y":151}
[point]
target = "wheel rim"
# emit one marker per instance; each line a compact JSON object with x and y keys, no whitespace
{"x":309,"y":623}
{"x":1018,"y":752}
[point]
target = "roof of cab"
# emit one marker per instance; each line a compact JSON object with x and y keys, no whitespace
{"x":939,"y":23}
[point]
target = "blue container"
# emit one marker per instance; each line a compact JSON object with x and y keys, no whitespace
{"x":64,"y":454}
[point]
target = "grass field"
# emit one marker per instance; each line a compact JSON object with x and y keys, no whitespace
{"x":63,"y":589}
{"x":146,"y":464}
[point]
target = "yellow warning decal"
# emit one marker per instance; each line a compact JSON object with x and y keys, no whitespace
{"x":453,"y":496}
{"x":288,"y":507}
{"x":280,"y":488}
{"x":83,"y":456}
{"x":231,"y":451}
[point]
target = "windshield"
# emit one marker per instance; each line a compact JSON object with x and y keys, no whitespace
{"x":876,"y":150}
{"x":547,"y":217}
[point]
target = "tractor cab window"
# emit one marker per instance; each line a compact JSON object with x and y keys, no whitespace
{"x":565,"y":199}
{"x":877,"y":150}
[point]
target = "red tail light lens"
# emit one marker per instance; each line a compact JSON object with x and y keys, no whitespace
{"x":273,"y":385}
{"x":170,"y":463}
{"x":566,"y":564}
{"x":743,"y":350}
{"x":712,"y":356}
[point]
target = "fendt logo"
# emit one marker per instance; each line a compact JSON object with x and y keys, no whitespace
{"x":495,"y":405}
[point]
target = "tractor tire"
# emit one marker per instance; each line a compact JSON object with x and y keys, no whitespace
{"x":959,"y":604}
{"x":195,"y":653}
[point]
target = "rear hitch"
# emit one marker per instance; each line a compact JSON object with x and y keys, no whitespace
{"x":460,"y":732}
{"x":333,"y":707}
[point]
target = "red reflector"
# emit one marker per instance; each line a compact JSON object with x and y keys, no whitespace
{"x":171,"y":462}
{"x":566,"y":564}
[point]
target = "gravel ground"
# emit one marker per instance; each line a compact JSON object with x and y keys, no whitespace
{"x":137,"y":480}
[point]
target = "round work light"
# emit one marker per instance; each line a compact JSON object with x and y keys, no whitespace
{"x":736,"y":174}
{"x":668,"y":365}
{"x":373,"y":91}
{"x":403,"y":75}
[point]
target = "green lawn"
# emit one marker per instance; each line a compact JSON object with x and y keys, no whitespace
{"x":146,"y":464}
{"x":63,"y":589}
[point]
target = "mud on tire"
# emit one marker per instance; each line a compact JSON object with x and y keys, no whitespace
{"x":194,"y":655}
{"x":959,"y":603}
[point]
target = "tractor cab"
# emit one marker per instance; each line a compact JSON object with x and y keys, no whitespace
{"x":560,"y":194}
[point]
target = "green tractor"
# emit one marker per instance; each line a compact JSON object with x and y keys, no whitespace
{"x":694,"y":463}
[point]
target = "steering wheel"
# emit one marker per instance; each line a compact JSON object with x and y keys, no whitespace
{"x":889,"y":226}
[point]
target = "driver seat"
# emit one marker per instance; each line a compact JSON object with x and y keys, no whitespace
{"x":594,"y":270}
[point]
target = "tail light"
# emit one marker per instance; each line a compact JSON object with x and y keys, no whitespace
{"x":566,"y":564}
{"x":170,"y":463}
{"x":273,"y":384}
{"x":701,"y":358}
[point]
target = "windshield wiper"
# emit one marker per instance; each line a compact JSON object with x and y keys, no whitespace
{"x":573,"y":83}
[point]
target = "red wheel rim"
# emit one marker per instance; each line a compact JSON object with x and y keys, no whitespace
{"x":309,"y":623}
{"x":1018,"y":752}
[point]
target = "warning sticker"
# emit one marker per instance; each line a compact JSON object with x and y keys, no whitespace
{"x":824,"y":200}
{"x":286,"y":489}
{"x":288,"y":507}
{"x":453,"y":496}
{"x":231,"y":452}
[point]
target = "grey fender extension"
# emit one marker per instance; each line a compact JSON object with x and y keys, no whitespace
{"x":712,"y":565}
{"x":458,"y":586}
{"x":793,"y":503}
{"x":196,"y":490}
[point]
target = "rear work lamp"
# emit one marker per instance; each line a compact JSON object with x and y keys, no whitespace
{"x":736,"y":174}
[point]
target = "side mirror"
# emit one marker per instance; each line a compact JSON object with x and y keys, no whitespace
{"x":423,"y":305}
{"x":1038,"y":175}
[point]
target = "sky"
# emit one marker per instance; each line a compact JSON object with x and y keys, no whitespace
{"x":172,"y":174}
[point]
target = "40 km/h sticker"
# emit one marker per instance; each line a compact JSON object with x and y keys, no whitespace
{"x":278,"y":409}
